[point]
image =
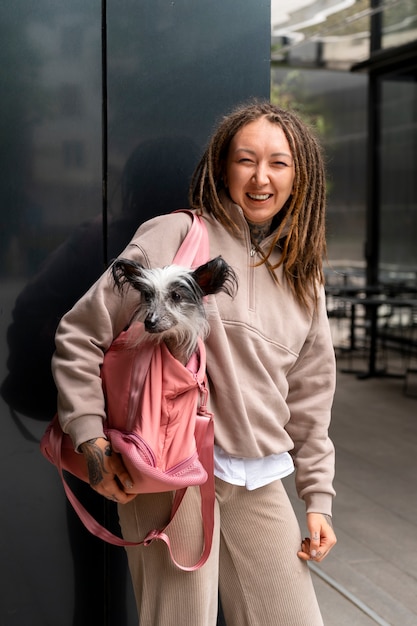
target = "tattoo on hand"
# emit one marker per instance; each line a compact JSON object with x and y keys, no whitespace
{"x":94,"y":456}
{"x":328,"y":519}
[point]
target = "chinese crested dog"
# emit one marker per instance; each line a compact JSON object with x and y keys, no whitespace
{"x":171,"y":305}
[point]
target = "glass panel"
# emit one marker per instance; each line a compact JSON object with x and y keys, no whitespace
{"x":321,"y":33}
{"x":172,"y":71}
{"x":336,"y":34}
{"x":399,"y":23}
{"x":51,"y":247}
{"x":335,"y":102}
{"x":398,"y":235}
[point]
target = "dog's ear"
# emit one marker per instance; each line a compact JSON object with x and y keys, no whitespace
{"x":127,"y":272}
{"x":214,"y":276}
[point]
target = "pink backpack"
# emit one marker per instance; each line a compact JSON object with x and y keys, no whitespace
{"x":157,"y":419}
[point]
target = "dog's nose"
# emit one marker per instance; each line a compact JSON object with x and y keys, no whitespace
{"x":151,"y":324}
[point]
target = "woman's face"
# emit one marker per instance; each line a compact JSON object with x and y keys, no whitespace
{"x":259,"y":170}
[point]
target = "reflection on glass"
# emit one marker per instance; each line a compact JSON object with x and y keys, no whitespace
{"x":399,"y":23}
{"x":332,"y":34}
{"x":172,"y":71}
{"x":335,"y":104}
{"x":398,"y":250}
{"x":51,"y":181}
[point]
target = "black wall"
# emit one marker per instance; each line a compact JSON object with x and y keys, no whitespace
{"x":104,"y":112}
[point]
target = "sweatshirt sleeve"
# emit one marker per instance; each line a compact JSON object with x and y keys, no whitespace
{"x":86,"y":332}
{"x":310,"y":398}
{"x":83,"y":336}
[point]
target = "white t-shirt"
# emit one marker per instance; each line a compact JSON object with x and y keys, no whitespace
{"x":251,"y":473}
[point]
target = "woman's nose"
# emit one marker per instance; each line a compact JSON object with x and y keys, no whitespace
{"x":261,"y":175}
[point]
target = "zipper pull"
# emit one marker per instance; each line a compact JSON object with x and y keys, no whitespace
{"x":202,"y":408}
{"x":253,"y":251}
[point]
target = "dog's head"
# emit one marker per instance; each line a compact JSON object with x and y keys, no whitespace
{"x":172,"y":297}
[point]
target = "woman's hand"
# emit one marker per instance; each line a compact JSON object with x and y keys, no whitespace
{"x":107,"y":473}
{"x":321,"y":540}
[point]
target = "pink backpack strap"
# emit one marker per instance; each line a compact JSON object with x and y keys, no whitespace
{"x":194,"y":251}
{"x":204,"y":436}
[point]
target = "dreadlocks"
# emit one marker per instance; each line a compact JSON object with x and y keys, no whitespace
{"x":303,"y":215}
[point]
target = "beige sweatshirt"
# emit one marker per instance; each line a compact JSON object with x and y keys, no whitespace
{"x":270,"y":363}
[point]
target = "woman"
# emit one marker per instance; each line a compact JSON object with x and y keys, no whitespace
{"x":260,"y":188}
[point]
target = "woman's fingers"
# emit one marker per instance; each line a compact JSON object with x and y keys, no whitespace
{"x":106,"y":470}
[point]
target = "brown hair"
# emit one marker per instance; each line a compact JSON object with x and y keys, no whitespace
{"x":303,"y":217}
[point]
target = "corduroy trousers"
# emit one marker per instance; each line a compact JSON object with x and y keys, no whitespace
{"x":253,"y":561}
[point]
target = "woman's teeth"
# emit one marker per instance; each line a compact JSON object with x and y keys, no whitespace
{"x":258,"y":196}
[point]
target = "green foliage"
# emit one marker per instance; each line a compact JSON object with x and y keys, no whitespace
{"x":290,"y":93}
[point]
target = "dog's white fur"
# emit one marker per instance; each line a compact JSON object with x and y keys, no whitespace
{"x":171,"y":304}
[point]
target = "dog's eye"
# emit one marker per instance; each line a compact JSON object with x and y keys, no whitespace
{"x":146,"y":295}
{"x":175,"y":296}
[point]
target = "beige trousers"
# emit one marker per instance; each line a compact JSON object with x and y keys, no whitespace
{"x":253,"y":561}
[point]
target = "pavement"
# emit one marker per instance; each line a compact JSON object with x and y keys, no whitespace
{"x":370,"y":577}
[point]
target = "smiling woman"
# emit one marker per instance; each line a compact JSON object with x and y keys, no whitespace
{"x":277,"y":172}
{"x":259,"y":187}
{"x":259,"y":170}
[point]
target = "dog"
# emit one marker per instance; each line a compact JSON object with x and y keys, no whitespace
{"x":172,"y":299}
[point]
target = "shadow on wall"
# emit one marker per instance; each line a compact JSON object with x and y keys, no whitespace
{"x":154,"y":181}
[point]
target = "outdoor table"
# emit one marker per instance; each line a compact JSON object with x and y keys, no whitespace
{"x":372,"y":303}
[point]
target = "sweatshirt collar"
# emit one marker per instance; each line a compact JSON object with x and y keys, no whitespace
{"x":238,"y":216}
